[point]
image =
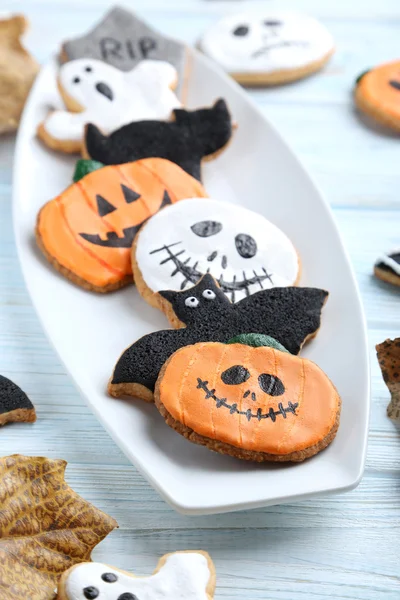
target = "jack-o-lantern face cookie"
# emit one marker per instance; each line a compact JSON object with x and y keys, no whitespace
{"x":377,"y":93}
{"x":264,"y":47}
{"x":255,"y":403}
{"x":244,"y":251}
{"x":87,"y":232}
{"x":189,"y":575}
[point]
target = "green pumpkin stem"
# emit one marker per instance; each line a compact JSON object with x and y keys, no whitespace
{"x":257,"y":340}
{"x":84,"y":167}
{"x":361,"y":75}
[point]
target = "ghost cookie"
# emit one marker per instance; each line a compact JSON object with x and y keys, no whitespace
{"x":87,"y":231}
{"x":98,"y":93}
{"x":291,"y":315}
{"x":189,"y":575}
{"x":249,"y":398}
{"x":192,"y":136}
{"x":244,"y":251}
{"x":263,"y":47}
{"x":387,"y":267}
{"x":377,"y":94}
{"x":14,"y":403}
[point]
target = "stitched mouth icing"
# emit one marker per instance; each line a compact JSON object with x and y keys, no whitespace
{"x":233,"y":409}
{"x":284,"y":44}
{"x":192,"y":275}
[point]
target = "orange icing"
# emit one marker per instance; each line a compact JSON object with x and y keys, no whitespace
{"x":75,"y":211}
{"x":305,"y":384}
{"x":375,"y":88}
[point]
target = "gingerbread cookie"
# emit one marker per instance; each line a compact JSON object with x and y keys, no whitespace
{"x":14,"y":403}
{"x":87,"y":232}
{"x":122,"y":40}
{"x":191,"y":137}
{"x":18,"y":70}
{"x":240,"y":248}
{"x":291,"y":315}
{"x":263,"y":47}
{"x":387,"y":267}
{"x":189,"y":575}
{"x":255,"y":402}
{"x":377,"y":94}
{"x":98,"y":93}
{"x":388,"y":353}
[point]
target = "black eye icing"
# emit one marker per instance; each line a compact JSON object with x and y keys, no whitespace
{"x":127,"y":596}
{"x":245,"y":245}
{"x":241,"y":30}
{"x":109,"y":577}
{"x":76,"y":80}
{"x":272,"y":23}
{"x":395,"y":84}
{"x":271,"y":385}
{"x":88,"y":69}
{"x":235,"y":375}
{"x":91,"y":593}
{"x":104,"y":207}
{"x":206,"y":228}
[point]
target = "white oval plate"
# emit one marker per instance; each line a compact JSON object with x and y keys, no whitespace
{"x":90,"y":331}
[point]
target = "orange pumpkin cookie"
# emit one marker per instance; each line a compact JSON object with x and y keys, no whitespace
{"x":377,"y":94}
{"x":254,"y":403}
{"x":87,"y":232}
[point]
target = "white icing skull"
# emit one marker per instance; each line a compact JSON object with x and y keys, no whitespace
{"x":184,"y":575}
{"x":110,"y":98}
{"x":244,"y":251}
{"x":266,"y":42}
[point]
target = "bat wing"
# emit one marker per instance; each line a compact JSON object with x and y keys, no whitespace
{"x":290,"y":315}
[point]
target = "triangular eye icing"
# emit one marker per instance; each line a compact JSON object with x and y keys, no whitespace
{"x":103,"y":206}
{"x":129,"y":195}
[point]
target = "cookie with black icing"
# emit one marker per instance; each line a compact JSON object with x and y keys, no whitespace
{"x":189,"y":138}
{"x":387,"y":267}
{"x":291,"y":315}
{"x":14,"y":403}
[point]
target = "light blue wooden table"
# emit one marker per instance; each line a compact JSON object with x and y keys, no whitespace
{"x":341,"y":547}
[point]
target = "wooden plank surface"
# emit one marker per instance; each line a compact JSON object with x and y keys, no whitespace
{"x":340,"y":547}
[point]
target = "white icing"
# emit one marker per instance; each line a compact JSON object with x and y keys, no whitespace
{"x":174,"y":225}
{"x":294,"y":42}
{"x":184,"y":576}
{"x":142,"y":93}
{"x":389,"y":262}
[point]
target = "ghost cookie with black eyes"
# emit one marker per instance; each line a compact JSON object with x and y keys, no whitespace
{"x":387,"y":267}
{"x":249,"y":398}
{"x":377,"y":94}
{"x":189,"y":575}
{"x":267,"y":48}
{"x":244,"y":251}
{"x":98,"y":93}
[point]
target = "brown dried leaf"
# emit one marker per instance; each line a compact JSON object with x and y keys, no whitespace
{"x":45,"y":527}
{"x":388,"y":353}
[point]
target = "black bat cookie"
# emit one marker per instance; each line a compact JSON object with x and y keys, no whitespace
{"x":288,"y":314}
{"x":190,"y":137}
{"x":14,"y":403}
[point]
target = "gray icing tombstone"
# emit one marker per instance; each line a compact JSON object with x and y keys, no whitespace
{"x":123,"y":40}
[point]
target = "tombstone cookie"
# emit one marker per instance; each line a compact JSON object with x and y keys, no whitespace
{"x":263,"y":47}
{"x":377,"y":94}
{"x":249,"y":398}
{"x":87,"y":231}
{"x":98,"y":93}
{"x":189,"y":575}
{"x":387,"y":267}
{"x":122,"y":40}
{"x":291,"y":315}
{"x":241,"y":249}
{"x":192,"y":136}
{"x":14,"y":403}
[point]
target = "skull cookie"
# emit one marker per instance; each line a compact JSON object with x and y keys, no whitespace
{"x":244,"y":251}
{"x":268,"y":47}
{"x":188,"y":575}
{"x":98,"y":93}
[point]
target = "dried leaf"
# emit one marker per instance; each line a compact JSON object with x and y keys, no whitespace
{"x":45,"y":527}
{"x":388,"y":353}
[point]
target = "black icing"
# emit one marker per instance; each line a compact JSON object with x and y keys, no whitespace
{"x":271,"y":385}
{"x":12,"y":397}
{"x":127,"y":596}
{"x":188,"y":139}
{"x":394,"y":84}
{"x":235,"y":375}
{"x":91,"y":592}
{"x":272,"y":23}
{"x":241,"y":30}
{"x":384,"y":267}
{"x":109,"y":577}
{"x":205,"y":229}
{"x":105,"y":90}
{"x":104,"y":207}
{"x":288,"y":314}
{"x":245,"y":245}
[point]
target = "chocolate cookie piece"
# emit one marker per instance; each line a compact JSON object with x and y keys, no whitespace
{"x":387,"y":267}
{"x":388,"y":353}
{"x":14,"y":403}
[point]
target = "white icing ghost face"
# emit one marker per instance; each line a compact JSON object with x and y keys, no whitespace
{"x":243,"y":251}
{"x":110,"y":98}
{"x":266,"y":42}
{"x":184,"y":575}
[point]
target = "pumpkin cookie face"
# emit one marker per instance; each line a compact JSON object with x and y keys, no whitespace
{"x":87,"y":232}
{"x":244,"y":251}
{"x":377,"y":93}
{"x":256,"y":403}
